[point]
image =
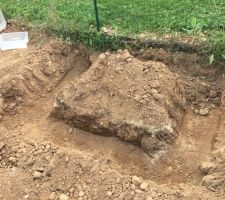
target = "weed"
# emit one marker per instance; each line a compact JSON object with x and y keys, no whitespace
{"x":216,"y":46}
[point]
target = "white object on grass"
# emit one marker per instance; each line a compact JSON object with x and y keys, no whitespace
{"x":16,"y":40}
{"x":2,"y":21}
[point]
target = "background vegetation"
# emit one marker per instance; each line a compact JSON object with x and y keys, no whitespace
{"x":127,"y":17}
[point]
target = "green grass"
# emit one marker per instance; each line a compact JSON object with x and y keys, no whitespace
{"x":127,"y":16}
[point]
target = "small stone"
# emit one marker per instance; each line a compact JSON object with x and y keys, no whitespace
{"x":83,"y":164}
{"x":40,"y":169}
{"x":119,"y":51}
{"x":67,"y":159}
{"x":107,"y":53}
{"x":109,"y":194}
{"x":81,"y":194}
{"x":138,"y":191}
{"x":12,"y":105}
{"x":102,"y":59}
{"x":70,"y":130}
{"x":52,"y":196}
{"x":196,"y":111}
{"x":102,"y":56}
{"x":37,"y":175}
{"x":118,"y":180}
{"x":154,"y":194}
{"x":136,"y":180}
{"x":49,"y":89}
{"x":20,"y":99}
{"x":168,"y":171}
{"x":17,"y":155}
{"x":153,"y":91}
{"x":12,"y":159}
{"x":203,"y":111}
{"x":72,"y":190}
{"x":63,"y":197}
{"x":26,"y":196}
{"x":1,"y":103}
{"x":144,"y":186}
{"x":126,"y":55}
{"x":158,"y":97}
{"x":149,"y":198}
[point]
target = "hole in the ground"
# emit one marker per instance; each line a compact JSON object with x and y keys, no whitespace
{"x":123,"y":97}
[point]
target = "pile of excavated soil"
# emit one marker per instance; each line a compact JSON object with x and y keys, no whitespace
{"x":30,"y":71}
{"x":140,"y":102}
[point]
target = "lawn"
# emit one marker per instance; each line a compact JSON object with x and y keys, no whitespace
{"x":125,"y":16}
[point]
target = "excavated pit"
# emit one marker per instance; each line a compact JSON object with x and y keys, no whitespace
{"x":157,"y":105}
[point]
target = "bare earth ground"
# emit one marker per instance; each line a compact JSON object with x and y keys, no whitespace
{"x":45,"y":158}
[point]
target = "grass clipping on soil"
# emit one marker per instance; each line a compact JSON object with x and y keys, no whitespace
{"x":140,"y":102}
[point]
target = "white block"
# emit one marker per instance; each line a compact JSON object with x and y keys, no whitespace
{"x":2,"y":21}
{"x":15,"y":40}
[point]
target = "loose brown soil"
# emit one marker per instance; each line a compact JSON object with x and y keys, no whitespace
{"x":41,"y":157}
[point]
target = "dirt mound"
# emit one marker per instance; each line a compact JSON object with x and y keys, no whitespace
{"x":29,"y":71}
{"x":140,"y":102}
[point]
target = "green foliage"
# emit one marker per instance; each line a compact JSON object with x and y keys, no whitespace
{"x":216,"y":45}
{"x":124,"y":15}
{"x":127,"y":17}
{"x":95,"y":40}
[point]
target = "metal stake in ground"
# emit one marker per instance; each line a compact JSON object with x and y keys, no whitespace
{"x":96,"y":15}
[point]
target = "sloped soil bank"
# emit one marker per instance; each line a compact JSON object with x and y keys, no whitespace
{"x":167,"y":108}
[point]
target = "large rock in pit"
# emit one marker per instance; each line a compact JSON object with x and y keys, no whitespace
{"x":140,"y":102}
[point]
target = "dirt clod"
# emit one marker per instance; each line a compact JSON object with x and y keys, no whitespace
{"x":109,"y":193}
{"x":144,"y":186}
{"x":149,"y":198}
{"x":203,"y":112}
{"x":136,"y":180}
{"x":52,"y":196}
{"x":63,"y":197}
{"x":37,"y":175}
